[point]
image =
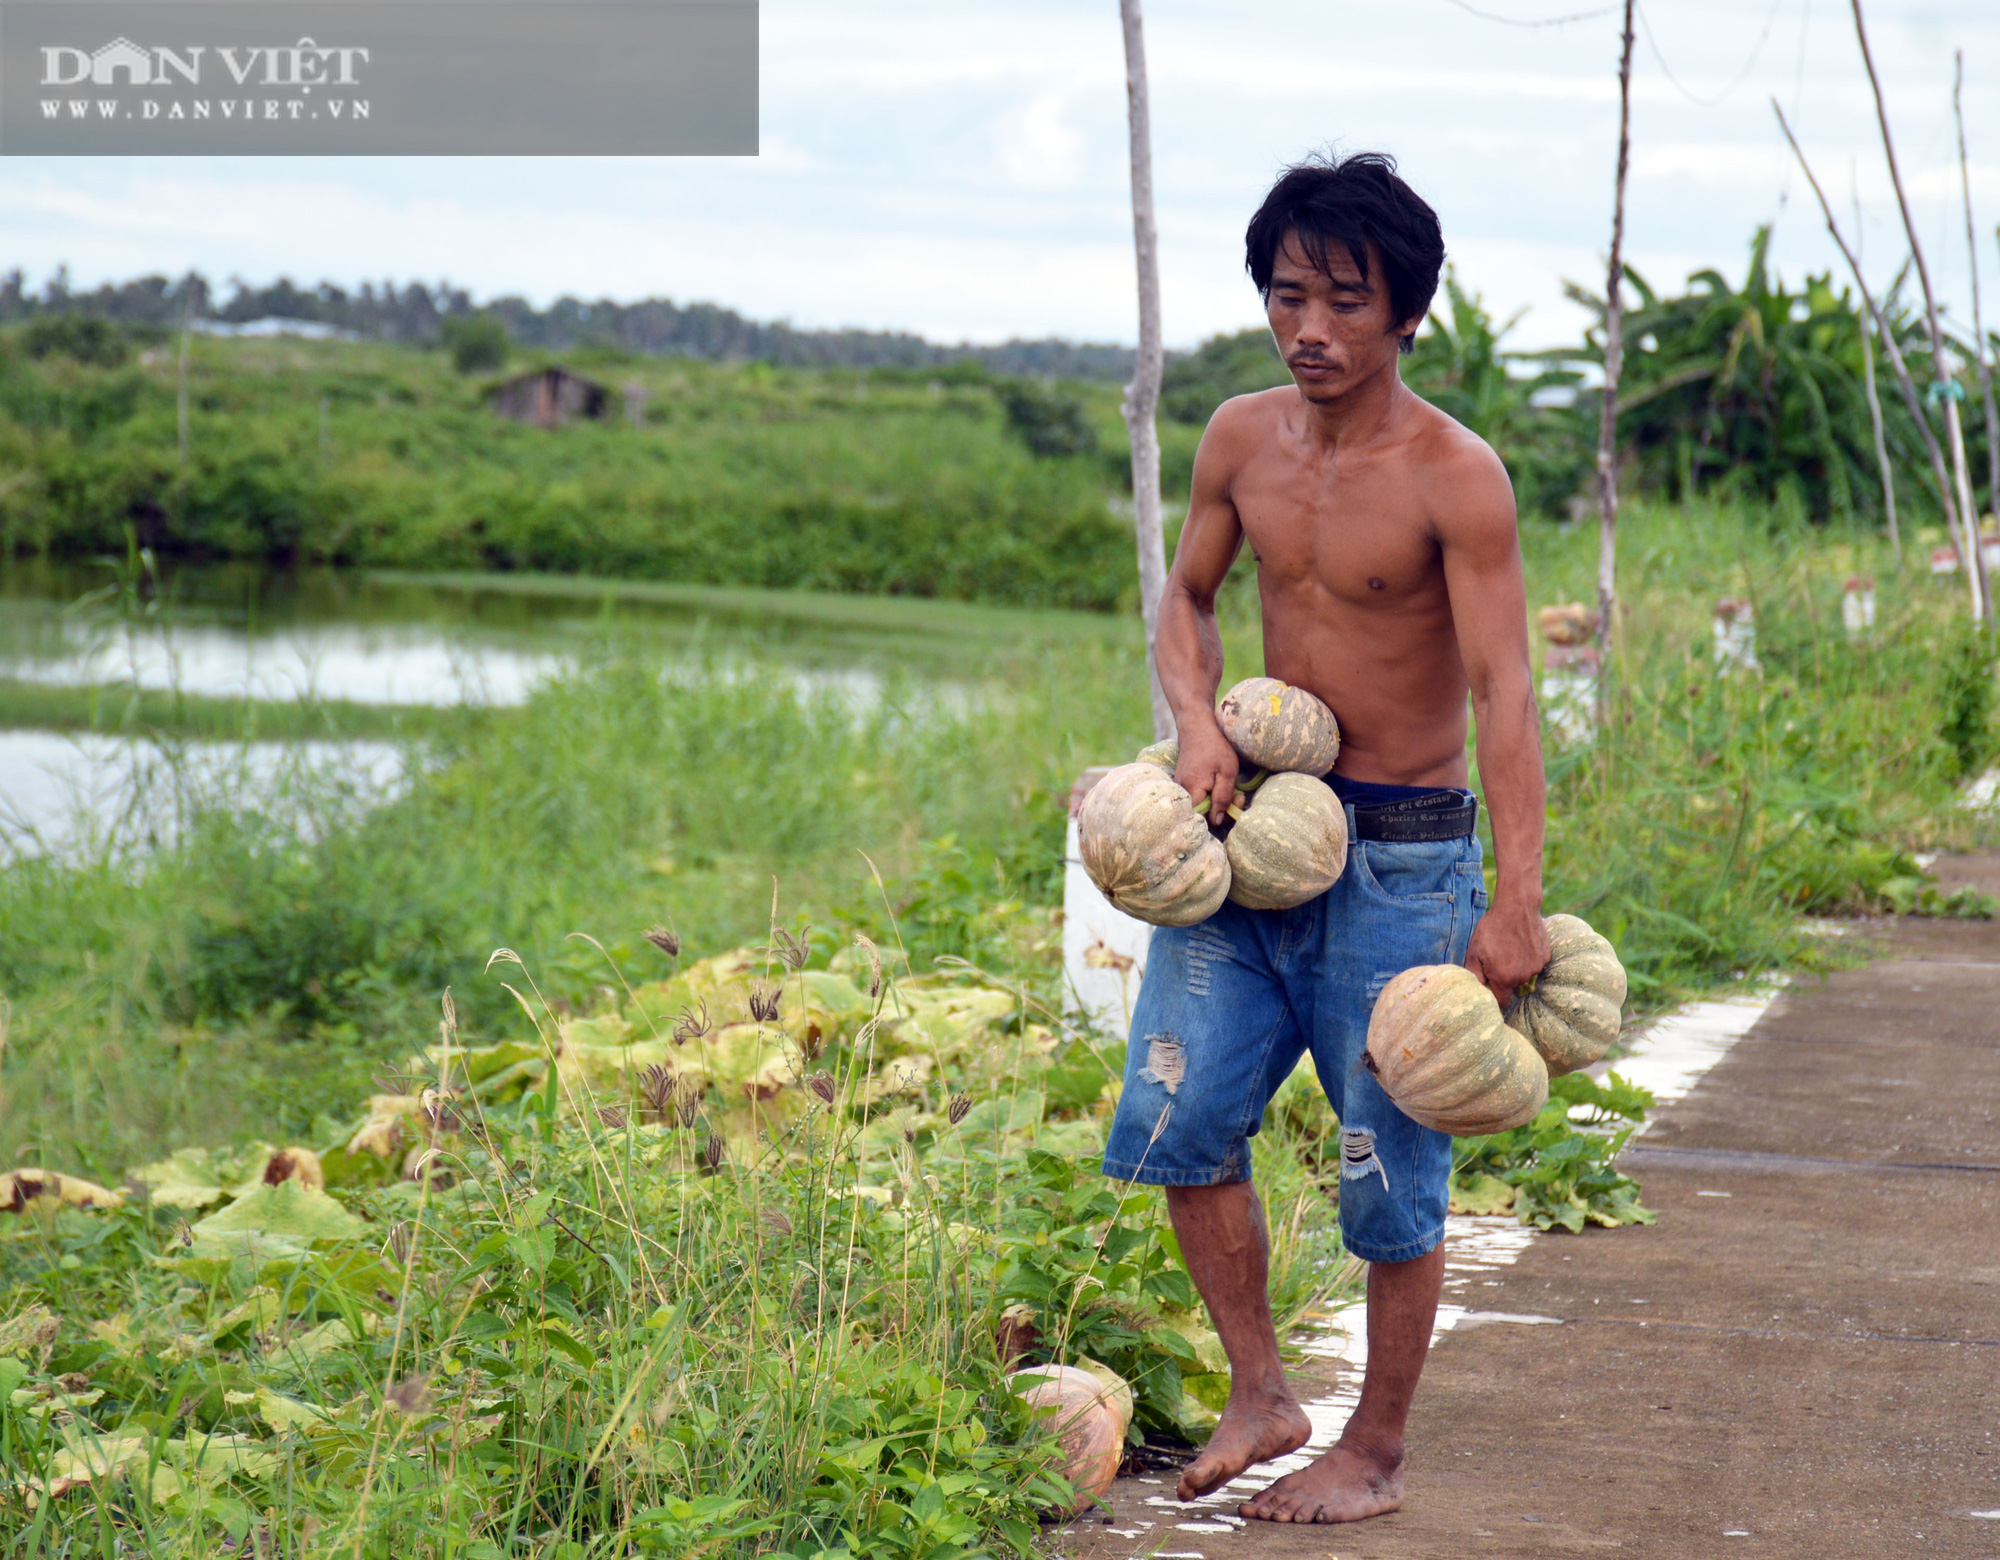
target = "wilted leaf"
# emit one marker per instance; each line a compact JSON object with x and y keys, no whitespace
{"x":27,"y":1187}
{"x":1478,"y":1193}
{"x":31,"y":1328}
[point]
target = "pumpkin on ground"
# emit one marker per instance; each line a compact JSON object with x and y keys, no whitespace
{"x":1442,"y":1052}
{"x":1278,"y":727}
{"x":1289,"y":843}
{"x":1147,"y":849}
{"x":1089,"y":1416}
{"x":1570,"y":1011}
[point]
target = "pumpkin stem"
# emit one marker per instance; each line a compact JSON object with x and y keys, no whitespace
{"x":1255,"y":780}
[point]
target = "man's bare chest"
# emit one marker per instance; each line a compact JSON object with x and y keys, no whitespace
{"x":1360,"y":535}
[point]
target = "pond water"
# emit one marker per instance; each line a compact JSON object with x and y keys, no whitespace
{"x":62,"y":792}
{"x":485,"y":639}
{"x":438,"y":640}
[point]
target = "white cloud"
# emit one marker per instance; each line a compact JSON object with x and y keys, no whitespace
{"x":962,"y":169}
{"x":1037,"y":147}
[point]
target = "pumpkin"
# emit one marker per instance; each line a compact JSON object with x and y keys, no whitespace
{"x":1569,"y":1013}
{"x":1161,"y":755}
{"x":1278,"y":727}
{"x":1288,"y":845}
{"x":1443,"y":1053}
{"x":1148,"y":850}
{"x":1089,"y":1417}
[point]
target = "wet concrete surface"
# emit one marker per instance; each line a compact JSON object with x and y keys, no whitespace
{"x":1802,"y":1358}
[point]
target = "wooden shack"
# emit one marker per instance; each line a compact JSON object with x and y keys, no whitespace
{"x":549,"y":397}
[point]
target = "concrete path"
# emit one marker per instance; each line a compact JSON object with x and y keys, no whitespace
{"x":1802,"y":1358}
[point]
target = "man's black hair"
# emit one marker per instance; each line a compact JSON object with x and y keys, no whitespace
{"x":1355,"y":201}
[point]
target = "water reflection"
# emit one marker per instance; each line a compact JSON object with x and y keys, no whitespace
{"x":241,"y":633}
{"x":410,"y":665}
{"x":69,"y":794}
{"x":234,"y":632}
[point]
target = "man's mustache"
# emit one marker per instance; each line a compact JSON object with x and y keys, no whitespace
{"x":1308,"y":360}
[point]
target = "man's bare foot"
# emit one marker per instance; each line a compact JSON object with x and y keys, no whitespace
{"x":1250,"y":1432}
{"x":1345,"y":1485}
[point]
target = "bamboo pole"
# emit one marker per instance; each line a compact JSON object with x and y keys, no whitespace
{"x":1614,"y":363}
{"x":181,"y":395}
{"x":1949,"y":390}
{"x":1869,"y":385}
{"x":1142,"y":396}
{"x":1911,"y":400}
{"x":1978,"y":325}
{"x":1867,"y":323}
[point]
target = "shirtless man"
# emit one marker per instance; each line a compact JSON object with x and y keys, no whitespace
{"x":1390,"y":575}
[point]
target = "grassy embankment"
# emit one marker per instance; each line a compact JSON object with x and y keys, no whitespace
{"x":888,"y":482}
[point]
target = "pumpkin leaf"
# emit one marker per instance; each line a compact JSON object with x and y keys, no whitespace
{"x":286,"y":1212}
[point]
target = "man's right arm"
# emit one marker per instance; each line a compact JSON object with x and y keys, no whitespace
{"x":1188,"y":649}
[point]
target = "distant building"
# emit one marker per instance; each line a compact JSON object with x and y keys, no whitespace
{"x":550,"y":396}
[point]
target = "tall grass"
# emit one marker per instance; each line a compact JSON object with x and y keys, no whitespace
{"x":1718,"y":805}
{"x":615,"y":799}
{"x":1712,"y":813}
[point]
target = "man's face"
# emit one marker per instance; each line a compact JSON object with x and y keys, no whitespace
{"x":1333,"y":327}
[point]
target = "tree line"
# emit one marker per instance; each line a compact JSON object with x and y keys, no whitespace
{"x":420,"y":313}
{"x":1749,"y":389}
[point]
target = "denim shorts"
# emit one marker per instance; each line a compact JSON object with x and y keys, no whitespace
{"x":1227,"y":1008}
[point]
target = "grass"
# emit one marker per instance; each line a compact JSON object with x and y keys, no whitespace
{"x":1721,"y":807}
{"x":601,"y":1348}
{"x":619,"y":1314}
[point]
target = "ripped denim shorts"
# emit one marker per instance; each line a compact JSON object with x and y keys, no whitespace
{"x":1227,"y":1008}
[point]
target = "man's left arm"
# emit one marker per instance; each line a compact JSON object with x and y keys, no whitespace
{"x":1489,"y":606}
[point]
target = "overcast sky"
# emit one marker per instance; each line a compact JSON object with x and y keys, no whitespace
{"x":959,"y":169}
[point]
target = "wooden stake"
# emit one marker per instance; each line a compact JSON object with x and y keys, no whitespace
{"x":1882,"y":460}
{"x":1978,"y":326}
{"x":1867,"y":323}
{"x":1954,"y":434}
{"x":1142,"y":396}
{"x":182,"y":397}
{"x":1911,"y":401}
{"x":1614,"y":363}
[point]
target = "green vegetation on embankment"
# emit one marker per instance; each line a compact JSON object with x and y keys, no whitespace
{"x":889,"y":482}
